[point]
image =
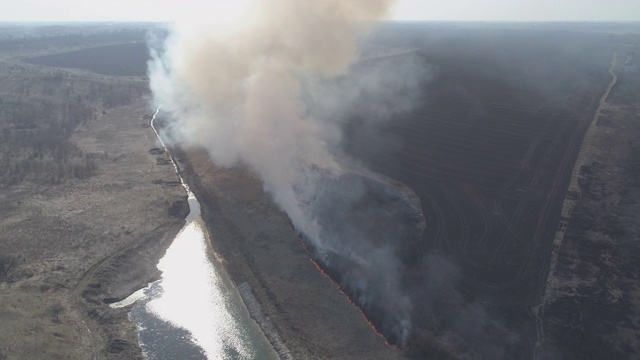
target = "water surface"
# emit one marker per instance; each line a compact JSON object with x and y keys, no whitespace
{"x":194,"y":311}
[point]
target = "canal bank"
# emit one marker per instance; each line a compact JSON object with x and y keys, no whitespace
{"x":194,"y":311}
{"x":258,"y":246}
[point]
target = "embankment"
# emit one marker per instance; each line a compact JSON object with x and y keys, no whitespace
{"x":258,"y":246}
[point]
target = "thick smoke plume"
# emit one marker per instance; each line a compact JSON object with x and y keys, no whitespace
{"x":263,"y":92}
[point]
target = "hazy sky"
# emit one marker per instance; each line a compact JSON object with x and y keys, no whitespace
{"x":509,"y":10}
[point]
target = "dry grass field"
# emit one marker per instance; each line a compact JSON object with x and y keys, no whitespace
{"x":83,"y":215}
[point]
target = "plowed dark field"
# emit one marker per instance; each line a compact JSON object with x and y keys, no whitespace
{"x":489,"y":149}
{"x":120,"y":60}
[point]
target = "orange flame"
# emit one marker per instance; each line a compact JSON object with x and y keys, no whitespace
{"x":354,"y":304}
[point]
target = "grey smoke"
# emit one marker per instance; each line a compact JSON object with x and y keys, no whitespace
{"x":465,"y":326}
{"x":274,"y":92}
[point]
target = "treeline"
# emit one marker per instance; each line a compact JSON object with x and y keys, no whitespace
{"x":35,"y":141}
{"x":39,"y":111}
{"x":114,"y":95}
{"x":73,"y":40}
{"x":56,"y":85}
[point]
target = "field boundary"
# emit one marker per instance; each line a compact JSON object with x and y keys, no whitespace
{"x":571,"y":200}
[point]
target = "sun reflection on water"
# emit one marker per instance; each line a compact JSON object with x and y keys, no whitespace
{"x":194,"y":310}
{"x":192,"y":299}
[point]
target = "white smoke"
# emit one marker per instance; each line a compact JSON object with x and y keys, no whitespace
{"x":235,"y":89}
{"x":239,"y":91}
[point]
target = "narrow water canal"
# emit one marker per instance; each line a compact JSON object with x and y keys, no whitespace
{"x":194,"y":311}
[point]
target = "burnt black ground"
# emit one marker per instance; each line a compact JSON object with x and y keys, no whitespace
{"x":592,"y":308}
{"x":489,"y":149}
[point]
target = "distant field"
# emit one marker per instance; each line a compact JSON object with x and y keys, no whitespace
{"x":120,"y":60}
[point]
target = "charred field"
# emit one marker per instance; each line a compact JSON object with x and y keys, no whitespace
{"x":489,"y":149}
